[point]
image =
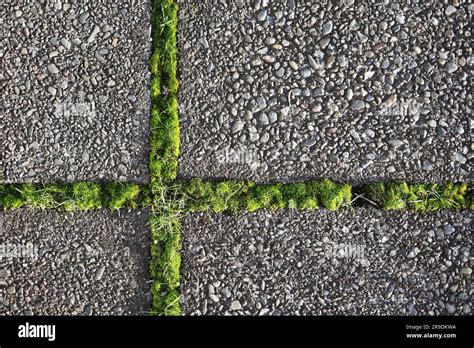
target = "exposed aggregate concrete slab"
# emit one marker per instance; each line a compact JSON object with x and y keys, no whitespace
{"x":84,"y":263}
{"x":362,"y":262}
{"x":349,"y":90}
{"x":75,"y":90}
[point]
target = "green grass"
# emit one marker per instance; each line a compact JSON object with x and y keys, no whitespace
{"x":78,"y":196}
{"x":164,"y":151}
{"x":169,"y":199}
{"x":231,"y":195}
{"x":165,"y":250}
{"x":164,"y":121}
{"x":420,"y":197}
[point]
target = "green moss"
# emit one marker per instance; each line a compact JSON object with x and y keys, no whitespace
{"x":87,"y":196}
{"x":231,"y":195}
{"x":267,"y":196}
{"x":30,"y":195}
{"x":295,"y":195}
{"x":165,"y":249}
{"x":164,"y":125}
{"x":332,"y":196}
{"x":155,"y":87}
{"x":421,"y":197}
{"x":118,"y":195}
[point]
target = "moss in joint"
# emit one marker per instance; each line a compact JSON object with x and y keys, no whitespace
{"x":421,"y":197}
{"x":164,"y":126}
{"x":231,"y":195}
{"x":80,"y":196}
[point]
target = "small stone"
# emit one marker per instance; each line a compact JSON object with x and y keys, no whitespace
{"x":103,"y":99}
{"x":66,"y":43}
{"x":235,"y":305}
{"x":357,"y":105}
{"x":122,"y":169}
{"x":327,"y":27}
{"x":52,"y":91}
{"x":355,"y":135}
{"x":53,"y":69}
{"x":103,"y":51}
{"x":450,"y":10}
{"x":413,"y":253}
{"x":400,"y":18}
{"x":87,"y":310}
{"x":94,"y":32}
{"x":237,"y":127}
{"x":264,"y":119}
{"x":99,"y":273}
{"x":294,"y":65}
{"x":313,"y":63}
{"x":262,"y":15}
{"x":83,"y":17}
{"x":395,"y":142}
{"x":431,"y":123}
{"x":239,"y":3}
{"x":272,"y":116}
{"x":214,"y":298}
{"x":270,"y":41}
{"x":427,"y":166}
{"x":226,"y":292}
{"x":389,"y":101}
{"x":465,"y":271}
{"x":448,"y":229}
{"x":460,"y":158}
{"x":450,"y":308}
{"x":452,"y":67}
{"x":466,"y":308}
{"x":305,"y":73}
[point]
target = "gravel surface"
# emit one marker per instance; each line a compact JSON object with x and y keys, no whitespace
{"x":289,"y":90}
{"x":82,"y":263}
{"x":325,"y":263}
{"x":75,"y":97}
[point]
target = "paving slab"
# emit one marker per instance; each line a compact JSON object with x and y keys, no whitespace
{"x":350,"y":90}
{"x":75,"y":97}
{"x":352,"y":262}
{"x":80,"y":263}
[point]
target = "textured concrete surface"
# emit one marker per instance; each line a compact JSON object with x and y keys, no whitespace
{"x":75,"y":97}
{"x":362,"y":262}
{"x":349,"y":90}
{"x":81,"y":263}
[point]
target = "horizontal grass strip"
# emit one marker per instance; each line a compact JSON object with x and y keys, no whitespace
{"x":77,"y":196}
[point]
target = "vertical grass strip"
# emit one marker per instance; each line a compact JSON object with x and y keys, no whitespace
{"x":164,"y":127}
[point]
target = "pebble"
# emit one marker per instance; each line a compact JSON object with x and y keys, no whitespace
{"x":357,"y":105}
{"x":103,"y":99}
{"x":93,"y":34}
{"x":235,"y":305}
{"x":53,"y":69}
{"x":66,"y":43}
{"x":327,"y":27}
{"x":450,"y":10}
{"x":83,"y":17}
{"x":389,"y":101}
